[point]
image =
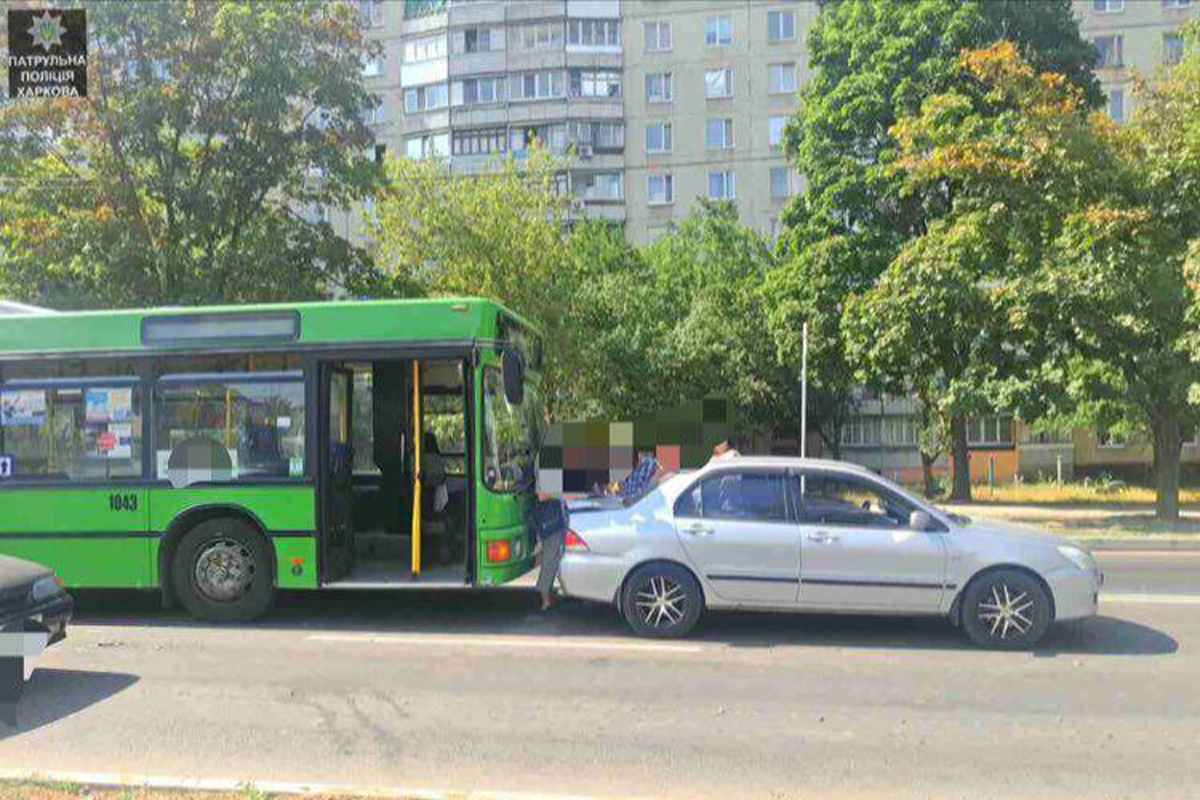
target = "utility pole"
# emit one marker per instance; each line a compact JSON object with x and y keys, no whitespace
{"x":804,"y":391}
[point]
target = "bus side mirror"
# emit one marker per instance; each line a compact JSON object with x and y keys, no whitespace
{"x":513,"y":367}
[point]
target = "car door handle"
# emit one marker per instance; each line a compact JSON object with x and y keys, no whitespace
{"x":699,"y":529}
{"x":822,"y":537}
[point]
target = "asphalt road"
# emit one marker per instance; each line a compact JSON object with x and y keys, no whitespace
{"x":480,"y":692}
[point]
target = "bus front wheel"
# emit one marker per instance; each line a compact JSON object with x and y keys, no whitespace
{"x":222,"y":571}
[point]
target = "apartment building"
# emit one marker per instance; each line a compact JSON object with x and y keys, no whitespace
{"x":1134,"y":37}
{"x":709,"y":86}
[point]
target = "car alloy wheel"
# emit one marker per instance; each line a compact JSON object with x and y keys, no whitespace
{"x":661,"y":601}
{"x":1007,"y":611}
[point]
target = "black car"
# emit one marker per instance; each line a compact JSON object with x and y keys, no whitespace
{"x":32,"y":600}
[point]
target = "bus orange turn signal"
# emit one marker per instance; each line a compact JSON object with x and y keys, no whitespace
{"x":498,"y":550}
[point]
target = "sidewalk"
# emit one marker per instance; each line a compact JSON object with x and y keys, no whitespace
{"x":1099,"y":526}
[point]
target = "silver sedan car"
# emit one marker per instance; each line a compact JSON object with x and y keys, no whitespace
{"x":791,"y":534}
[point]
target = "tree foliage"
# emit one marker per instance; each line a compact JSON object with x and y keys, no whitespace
{"x":178,"y":179}
{"x":1088,"y":226}
{"x":873,"y":63}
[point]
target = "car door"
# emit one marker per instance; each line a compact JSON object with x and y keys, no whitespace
{"x":737,"y":528}
{"x":857,"y":550}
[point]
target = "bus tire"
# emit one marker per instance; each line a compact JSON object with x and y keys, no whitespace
{"x":223,"y":571}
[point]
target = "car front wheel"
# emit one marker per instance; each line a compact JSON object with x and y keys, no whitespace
{"x":662,"y":601}
{"x":1006,"y":609}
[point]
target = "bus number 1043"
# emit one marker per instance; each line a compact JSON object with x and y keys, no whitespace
{"x":122,"y":502}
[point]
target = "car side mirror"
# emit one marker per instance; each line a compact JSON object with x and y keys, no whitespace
{"x":922,"y":521}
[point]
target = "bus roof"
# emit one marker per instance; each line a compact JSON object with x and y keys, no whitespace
{"x":264,"y":326}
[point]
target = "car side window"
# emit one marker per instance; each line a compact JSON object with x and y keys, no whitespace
{"x":738,"y":496}
{"x":850,"y":501}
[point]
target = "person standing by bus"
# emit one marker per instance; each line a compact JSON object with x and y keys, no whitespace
{"x":549,"y":520}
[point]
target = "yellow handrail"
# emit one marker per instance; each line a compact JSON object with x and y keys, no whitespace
{"x":416,"y":512}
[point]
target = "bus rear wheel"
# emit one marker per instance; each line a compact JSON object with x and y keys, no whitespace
{"x":222,"y":571}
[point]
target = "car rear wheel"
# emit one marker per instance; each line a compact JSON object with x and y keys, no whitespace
{"x":222,"y":571}
{"x":662,"y":601}
{"x":1006,"y":609}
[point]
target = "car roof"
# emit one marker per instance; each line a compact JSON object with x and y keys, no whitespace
{"x":795,"y":462}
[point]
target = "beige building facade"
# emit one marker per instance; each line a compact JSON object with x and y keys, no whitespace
{"x":656,"y":102}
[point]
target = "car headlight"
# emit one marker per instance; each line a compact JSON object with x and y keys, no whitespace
{"x":44,"y":588}
{"x":1077,"y":556}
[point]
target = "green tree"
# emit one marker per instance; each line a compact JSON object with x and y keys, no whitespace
{"x":704,"y":310}
{"x":178,"y":179}
{"x":1089,"y":226}
{"x":873,"y":63}
{"x":498,"y":234}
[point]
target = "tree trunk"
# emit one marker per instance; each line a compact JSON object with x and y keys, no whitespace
{"x":1167,"y":444}
{"x":927,"y":460}
{"x":960,"y":491}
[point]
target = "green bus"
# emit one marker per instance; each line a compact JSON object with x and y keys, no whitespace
{"x":218,"y":454}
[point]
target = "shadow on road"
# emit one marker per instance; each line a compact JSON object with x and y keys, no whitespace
{"x":514,"y":612}
{"x":52,"y":694}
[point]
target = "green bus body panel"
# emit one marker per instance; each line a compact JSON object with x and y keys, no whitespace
{"x":279,"y":509}
{"x":77,"y":533}
{"x":400,"y":322}
{"x":289,"y":548}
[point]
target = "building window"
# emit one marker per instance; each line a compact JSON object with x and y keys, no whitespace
{"x":659,"y":137}
{"x":550,"y":137}
{"x":428,"y":145}
{"x":373,"y":67}
{"x":478,"y":40}
{"x":991,"y":430}
{"x":594,"y":32}
{"x":426,"y":98}
{"x":775,"y":127}
{"x":660,"y":189}
{"x":658,"y":87}
{"x":658,"y":37}
{"x":595,"y":83}
{"x":477,"y":91}
{"x":599,"y":186}
{"x":781,"y":26}
{"x":718,"y":31}
{"x":376,"y":114}
{"x":1116,"y":105}
{"x":481,"y":141}
{"x":1108,"y":6}
{"x":1176,"y":3}
{"x":781,"y":78}
{"x":540,"y":36}
{"x":720,"y":185}
{"x":601,"y":135}
{"x":425,"y":48}
{"x":1109,"y":51}
{"x":537,"y":85}
{"x":718,"y":83}
{"x":1172,"y":47}
{"x":370,"y":12}
{"x":719,"y":133}
{"x":781,"y":183}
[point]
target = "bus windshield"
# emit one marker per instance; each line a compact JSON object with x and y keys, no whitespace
{"x":510,"y":437}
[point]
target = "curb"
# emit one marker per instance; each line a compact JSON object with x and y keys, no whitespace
{"x":1140,"y":545}
{"x":286,"y":788}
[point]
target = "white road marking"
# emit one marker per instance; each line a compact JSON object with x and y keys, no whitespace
{"x":1146,"y":553}
{"x":1151,"y":599}
{"x":133,"y":781}
{"x":517,"y":642}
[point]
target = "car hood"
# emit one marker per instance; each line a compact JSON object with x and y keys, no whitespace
{"x":17,"y":572}
{"x":1012,"y":530}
